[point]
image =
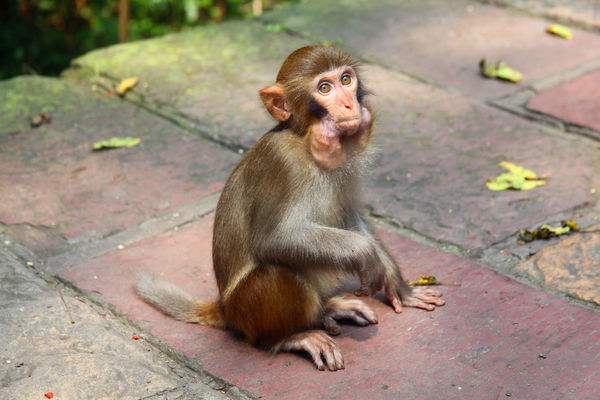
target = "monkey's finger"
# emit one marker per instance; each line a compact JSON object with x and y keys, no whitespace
{"x":430,"y":299}
{"x":315,"y":354}
{"x":331,"y":326}
{"x":327,"y":352}
{"x":414,"y":302}
{"x":339,"y":360}
{"x":392,"y":295}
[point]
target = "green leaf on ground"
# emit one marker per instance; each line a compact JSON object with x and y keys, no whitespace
{"x":560,"y":31}
{"x":545,"y":231}
{"x":500,"y":71}
{"x":116,"y":142}
{"x":517,"y":178}
{"x":275,"y":27}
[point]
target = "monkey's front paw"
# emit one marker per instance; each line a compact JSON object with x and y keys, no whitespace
{"x":320,"y":346}
{"x":427,"y":299}
{"x":340,"y":308}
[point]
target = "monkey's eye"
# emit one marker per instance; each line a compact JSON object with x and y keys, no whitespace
{"x":346,"y":79}
{"x":325,"y":87}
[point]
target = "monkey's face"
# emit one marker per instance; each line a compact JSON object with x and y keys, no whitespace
{"x":335,"y":93}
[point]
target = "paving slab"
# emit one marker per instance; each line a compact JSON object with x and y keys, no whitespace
{"x":437,"y":149}
{"x":494,"y":338}
{"x":211,"y":74}
{"x":55,"y":341}
{"x":442,"y":41}
{"x":572,"y":265}
{"x":576,"y":102}
{"x":583,"y":12}
{"x":56,"y":191}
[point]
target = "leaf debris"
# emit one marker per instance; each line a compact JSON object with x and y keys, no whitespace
{"x":516,"y":177}
{"x":545,"y":231}
{"x":40,"y":119}
{"x":116,"y":142}
{"x":126,"y":85}
{"x":560,"y":31}
{"x":500,"y":70}
{"x":424,"y":280}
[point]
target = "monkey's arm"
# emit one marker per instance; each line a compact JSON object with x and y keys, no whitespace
{"x":310,"y":245}
{"x":397,"y":291}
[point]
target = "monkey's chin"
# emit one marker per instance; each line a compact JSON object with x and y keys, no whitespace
{"x":348,"y":127}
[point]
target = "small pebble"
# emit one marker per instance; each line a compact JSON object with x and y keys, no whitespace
{"x":7,"y":242}
{"x":120,"y":247}
{"x":29,"y":264}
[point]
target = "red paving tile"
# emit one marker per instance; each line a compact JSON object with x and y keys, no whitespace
{"x":443,"y":41}
{"x":576,"y":102}
{"x":484,"y":343}
{"x":50,"y":178}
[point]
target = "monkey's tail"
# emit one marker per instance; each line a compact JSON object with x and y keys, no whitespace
{"x":180,"y":305}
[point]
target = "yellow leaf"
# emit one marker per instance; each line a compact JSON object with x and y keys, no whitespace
{"x":560,"y":30}
{"x":532,"y":184}
{"x":116,"y":142}
{"x":424,"y":280}
{"x":503,"y":71}
{"x":517,"y":178}
{"x":517,"y":169}
{"x":126,"y":85}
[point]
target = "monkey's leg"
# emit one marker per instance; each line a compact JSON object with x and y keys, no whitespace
{"x":340,"y":307}
{"x":275,"y":308}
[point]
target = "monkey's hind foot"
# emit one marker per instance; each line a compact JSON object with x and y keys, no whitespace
{"x":319,"y":345}
{"x":341,"y":308}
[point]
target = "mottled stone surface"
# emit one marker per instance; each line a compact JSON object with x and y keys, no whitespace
{"x":211,"y":74}
{"x":575,"y":102}
{"x":571,"y":266}
{"x":437,"y":150}
{"x":94,"y":357}
{"x":442,"y":41}
{"x":56,"y":191}
{"x":493,"y":337}
{"x":584,"y":12}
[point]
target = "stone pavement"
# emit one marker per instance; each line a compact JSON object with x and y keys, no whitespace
{"x":521,"y":320}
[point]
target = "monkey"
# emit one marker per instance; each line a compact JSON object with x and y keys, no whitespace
{"x":288,"y":226}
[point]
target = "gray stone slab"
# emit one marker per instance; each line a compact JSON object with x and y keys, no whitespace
{"x":211,"y":74}
{"x":437,"y":149}
{"x":442,"y":41}
{"x":57,"y":192}
{"x":92,"y":357}
{"x":582,"y":12}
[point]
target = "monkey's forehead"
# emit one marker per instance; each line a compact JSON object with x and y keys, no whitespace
{"x":311,"y":61}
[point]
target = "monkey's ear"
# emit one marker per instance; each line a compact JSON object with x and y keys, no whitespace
{"x":273,"y":97}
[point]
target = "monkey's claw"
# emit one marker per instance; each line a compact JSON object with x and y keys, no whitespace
{"x":320,"y":346}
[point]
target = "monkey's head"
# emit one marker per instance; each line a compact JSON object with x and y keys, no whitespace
{"x":318,"y":84}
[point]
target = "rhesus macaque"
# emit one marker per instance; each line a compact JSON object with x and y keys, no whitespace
{"x":288,"y":226}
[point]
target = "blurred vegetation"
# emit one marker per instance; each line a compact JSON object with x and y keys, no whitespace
{"x":42,"y":36}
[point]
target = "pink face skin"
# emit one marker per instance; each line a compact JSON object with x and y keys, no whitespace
{"x":335,"y":90}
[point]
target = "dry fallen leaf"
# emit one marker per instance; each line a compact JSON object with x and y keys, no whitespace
{"x":424,"y":280}
{"x":560,"y":31}
{"x":126,"y":85}
{"x":500,"y":71}
{"x":545,"y":231}
{"x":116,"y":142}
{"x":40,"y":119}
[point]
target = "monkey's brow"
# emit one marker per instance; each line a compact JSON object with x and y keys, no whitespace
{"x":335,"y":73}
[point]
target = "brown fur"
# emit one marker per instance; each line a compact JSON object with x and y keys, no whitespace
{"x":287,"y":230}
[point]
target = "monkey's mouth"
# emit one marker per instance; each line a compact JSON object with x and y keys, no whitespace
{"x":347,"y":125}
